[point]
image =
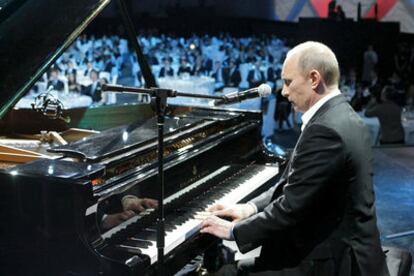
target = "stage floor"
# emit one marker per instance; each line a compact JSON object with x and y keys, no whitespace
{"x":394,"y":187}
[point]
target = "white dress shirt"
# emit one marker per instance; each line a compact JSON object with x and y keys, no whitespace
{"x":311,"y":111}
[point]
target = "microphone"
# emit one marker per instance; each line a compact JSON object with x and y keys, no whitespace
{"x":123,"y":89}
{"x":262,"y":90}
{"x":50,"y":106}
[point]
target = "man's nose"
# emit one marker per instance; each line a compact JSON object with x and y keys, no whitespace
{"x":284,"y":92}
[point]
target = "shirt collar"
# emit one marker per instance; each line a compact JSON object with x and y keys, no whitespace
{"x":311,"y":111}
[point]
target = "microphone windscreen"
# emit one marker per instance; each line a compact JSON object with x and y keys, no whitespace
{"x":264,"y":90}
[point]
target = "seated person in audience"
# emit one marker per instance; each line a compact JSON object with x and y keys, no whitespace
{"x":207,"y":64}
{"x":71,"y":68}
{"x":151,"y":57}
{"x":360,"y":99}
{"x":231,"y":75}
{"x":375,"y":86}
{"x":255,"y":77}
{"x":89,"y":68}
{"x":250,"y":56}
{"x":166,"y":70}
{"x":73,"y":85}
{"x":389,"y":116}
{"x":273,"y":72}
{"x":217,"y":74}
{"x":184,"y":67}
{"x":94,"y":89}
{"x":199,"y":69}
{"x":55,"y":81}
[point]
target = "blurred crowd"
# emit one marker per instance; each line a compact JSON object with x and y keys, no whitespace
{"x":230,"y":61}
{"x":236,"y":62}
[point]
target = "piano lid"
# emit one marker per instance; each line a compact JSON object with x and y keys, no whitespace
{"x":33,"y":34}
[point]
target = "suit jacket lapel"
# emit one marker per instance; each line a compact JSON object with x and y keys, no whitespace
{"x":325,"y":107}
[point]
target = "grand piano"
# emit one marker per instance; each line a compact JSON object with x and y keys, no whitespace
{"x":88,"y":207}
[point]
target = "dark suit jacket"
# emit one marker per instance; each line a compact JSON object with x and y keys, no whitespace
{"x":231,"y":78}
{"x":272,"y":74}
{"x":96,"y":93}
{"x":58,"y":85}
{"x":320,"y":216}
{"x":255,"y":82}
{"x":163,"y":73}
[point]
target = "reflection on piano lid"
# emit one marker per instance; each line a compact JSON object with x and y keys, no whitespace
{"x":138,"y":134}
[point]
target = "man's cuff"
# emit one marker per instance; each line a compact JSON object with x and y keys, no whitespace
{"x":231,"y":238}
{"x":127,"y":199}
{"x":253,"y":206}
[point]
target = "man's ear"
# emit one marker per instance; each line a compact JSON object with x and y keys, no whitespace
{"x":315,"y":79}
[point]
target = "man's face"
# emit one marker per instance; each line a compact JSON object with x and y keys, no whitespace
{"x":53,"y":75}
{"x":94,"y":76}
{"x":296,"y":87}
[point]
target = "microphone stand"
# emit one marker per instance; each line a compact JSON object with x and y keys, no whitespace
{"x":160,"y":95}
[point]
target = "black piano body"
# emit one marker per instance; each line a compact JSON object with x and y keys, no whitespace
{"x":54,"y":210}
{"x":66,"y":215}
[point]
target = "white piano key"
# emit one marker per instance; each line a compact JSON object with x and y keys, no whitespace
{"x":192,"y":226}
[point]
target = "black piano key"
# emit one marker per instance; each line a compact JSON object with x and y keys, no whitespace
{"x":136,"y":243}
{"x":130,"y":249}
{"x":146,"y":235}
{"x":145,"y":242}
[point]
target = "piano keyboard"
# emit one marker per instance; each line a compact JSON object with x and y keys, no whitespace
{"x":181,"y":224}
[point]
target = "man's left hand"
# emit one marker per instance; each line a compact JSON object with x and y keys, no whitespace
{"x":218,"y":227}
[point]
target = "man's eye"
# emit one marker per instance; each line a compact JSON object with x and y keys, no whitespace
{"x":287,"y":82}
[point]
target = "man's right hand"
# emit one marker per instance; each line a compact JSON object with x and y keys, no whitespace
{"x":235,"y":212}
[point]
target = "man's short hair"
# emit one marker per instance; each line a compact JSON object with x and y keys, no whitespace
{"x":317,"y":56}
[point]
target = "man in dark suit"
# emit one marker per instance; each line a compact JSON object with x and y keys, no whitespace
{"x":231,"y":75}
{"x":255,"y":77}
{"x":319,"y":219}
{"x":166,"y":70}
{"x":94,"y":89}
{"x":54,"y":80}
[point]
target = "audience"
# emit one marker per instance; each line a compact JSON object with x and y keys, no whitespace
{"x":219,"y":57}
{"x":94,"y":89}
{"x":54,"y":80}
{"x":184,"y":68}
{"x":370,"y":60}
{"x":231,"y":75}
{"x":256,"y":75}
{"x":233,"y":62}
{"x":73,"y":85}
{"x":166,"y":70}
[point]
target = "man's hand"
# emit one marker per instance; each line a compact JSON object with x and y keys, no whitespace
{"x":138,"y":205}
{"x":113,"y":220}
{"x":235,"y":212}
{"x":218,"y":227}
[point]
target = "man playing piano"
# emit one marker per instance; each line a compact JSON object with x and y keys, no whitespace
{"x":319,"y":219}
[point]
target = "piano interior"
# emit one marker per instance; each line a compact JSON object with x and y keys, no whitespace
{"x":79,"y":197}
